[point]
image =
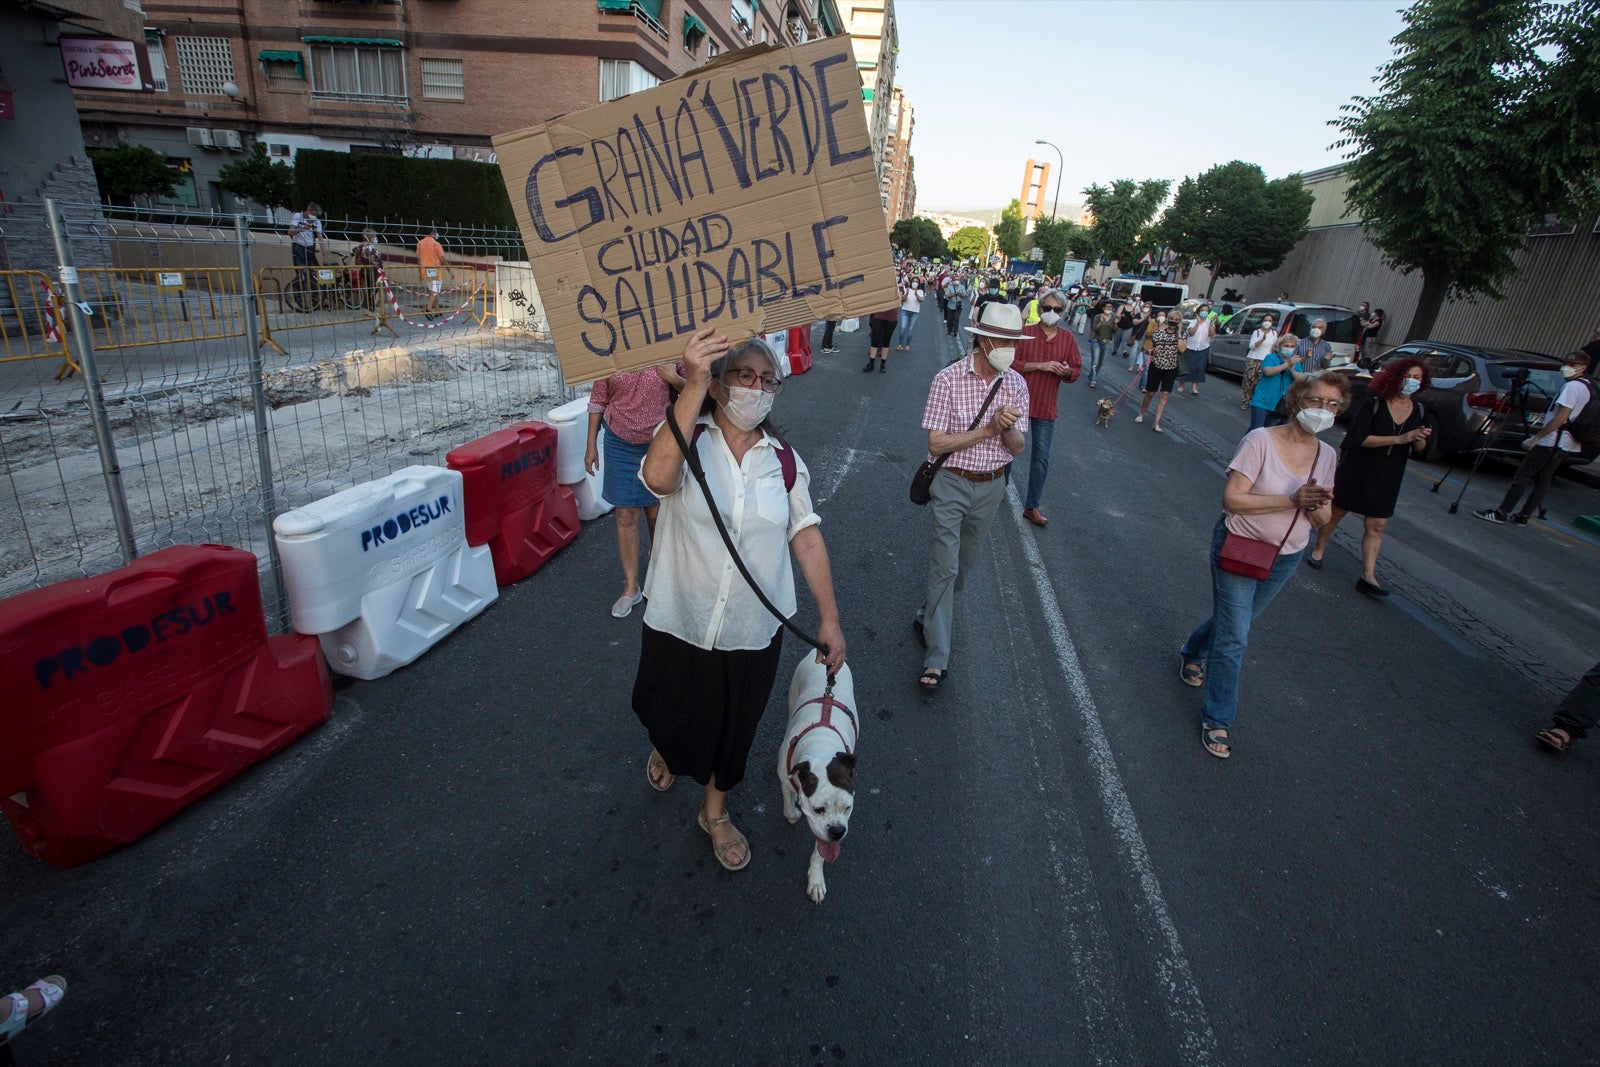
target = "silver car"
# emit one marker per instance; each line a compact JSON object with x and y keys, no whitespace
{"x":1229,"y":347}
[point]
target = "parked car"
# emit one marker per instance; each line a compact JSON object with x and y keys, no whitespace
{"x":1159,"y":294}
{"x":1471,"y":384}
{"x":1228,"y":348}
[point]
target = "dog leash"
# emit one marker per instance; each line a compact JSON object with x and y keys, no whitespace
{"x":691,"y":456}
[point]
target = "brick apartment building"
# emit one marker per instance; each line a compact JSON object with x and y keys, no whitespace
{"x":426,"y":77}
{"x":899,"y":171}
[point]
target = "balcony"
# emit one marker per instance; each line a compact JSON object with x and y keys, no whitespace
{"x":646,"y":11}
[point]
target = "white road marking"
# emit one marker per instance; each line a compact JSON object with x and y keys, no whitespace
{"x":851,"y":454}
{"x":1181,"y":997}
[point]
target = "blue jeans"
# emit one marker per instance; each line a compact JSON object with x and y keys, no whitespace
{"x":1097,"y":356}
{"x":1220,"y":640}
{"x":908,"y":322}
{"x":1260,"y":417}
{"x":1042,"y":431}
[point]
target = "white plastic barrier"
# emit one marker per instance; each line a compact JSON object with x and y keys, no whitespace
{"x":778,"y":341}
{"x":571,"y":422}
{"x":382,"y":571}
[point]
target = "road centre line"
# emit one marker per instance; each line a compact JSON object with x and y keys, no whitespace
{"x":1180,"y":995}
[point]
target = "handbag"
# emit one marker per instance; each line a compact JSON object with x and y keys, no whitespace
{"x":1249,"y":558}
{"x":922,"y":481}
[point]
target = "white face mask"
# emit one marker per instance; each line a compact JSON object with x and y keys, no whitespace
{"x":1049,"y":318}
{"x":1000,"y":358}
{"x":1315,"y":420}
{"x":746,"y":408}
{"x":1570,"y":371}
{"x":1316,"y":332}
{"x":1409,"y":386}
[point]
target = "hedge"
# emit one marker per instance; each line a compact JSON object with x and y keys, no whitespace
{"x":370,"y":186}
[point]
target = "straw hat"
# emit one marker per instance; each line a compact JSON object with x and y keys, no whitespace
{"x":1001,"y":320}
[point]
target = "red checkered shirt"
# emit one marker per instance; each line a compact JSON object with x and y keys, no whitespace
{"x":634,"y":404}
{"x":957,"y":393}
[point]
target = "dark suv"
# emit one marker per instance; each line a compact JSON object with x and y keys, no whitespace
{"x":1469,"y":385}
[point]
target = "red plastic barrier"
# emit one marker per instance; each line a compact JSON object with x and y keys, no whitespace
{"x":799,"y":349}
{"x":513,"y":503}
{"x":132,"y":695}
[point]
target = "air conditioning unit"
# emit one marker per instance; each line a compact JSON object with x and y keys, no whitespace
{"x":201,"y":137}
{"x":231,"y":140}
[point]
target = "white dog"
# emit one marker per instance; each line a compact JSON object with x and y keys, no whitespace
{"x":817,"y":762}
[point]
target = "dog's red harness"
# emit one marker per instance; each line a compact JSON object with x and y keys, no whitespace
{"x":824,"y":723}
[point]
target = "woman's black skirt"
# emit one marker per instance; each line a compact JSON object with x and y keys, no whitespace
{"x":700,"y":707}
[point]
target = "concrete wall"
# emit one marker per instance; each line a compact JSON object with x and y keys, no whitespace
{"x":41,"y":150}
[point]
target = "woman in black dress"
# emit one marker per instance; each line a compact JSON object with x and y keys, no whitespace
{"x":1384,"y":430}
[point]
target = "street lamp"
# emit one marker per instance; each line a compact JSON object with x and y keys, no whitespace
{"x":1061,"y":165}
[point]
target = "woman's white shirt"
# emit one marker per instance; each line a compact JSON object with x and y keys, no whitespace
{"x":913,"y":299}
{"x":1262,"y":342}
{"x":695,"y":592}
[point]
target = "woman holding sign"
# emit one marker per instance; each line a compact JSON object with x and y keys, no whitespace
{"x":709,"y":653}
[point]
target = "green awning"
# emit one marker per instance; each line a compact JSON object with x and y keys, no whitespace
{"x":297,"y":58}
{"x":693,"y":26}
{"x":376,"y":42}
{"x":866,"y":94}
{"x":616,"y":5}
{"x":651,"y":8}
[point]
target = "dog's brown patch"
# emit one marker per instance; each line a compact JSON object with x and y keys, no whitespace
{"x":842,"y":771}
{"x":808,"y":781}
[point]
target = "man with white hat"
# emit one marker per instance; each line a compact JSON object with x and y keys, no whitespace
{"x":977,"y":414}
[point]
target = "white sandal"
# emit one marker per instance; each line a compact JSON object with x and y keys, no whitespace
{"x":50,"y":988}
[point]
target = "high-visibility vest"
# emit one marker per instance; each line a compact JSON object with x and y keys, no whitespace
{"x":1033,"y":312}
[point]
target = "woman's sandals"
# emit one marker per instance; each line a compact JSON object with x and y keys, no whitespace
{"x":49,"y":990}
{"x":1556,"y":738}
{"x":1215,"y":738}
{"x":657,"y":774}
{"x":721,"y":851}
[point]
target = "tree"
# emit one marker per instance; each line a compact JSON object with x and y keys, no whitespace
{"x":258,"y":178}
{"x":1121,"y":213}
{"x":1062,"y":239}
{"x":1487,"y":118}
{"x":969,"y":241}
{"x":129,"y":170}
{"x":1008,"y":231}
{"x":920,"y":237}
{"x":1234,"y":219}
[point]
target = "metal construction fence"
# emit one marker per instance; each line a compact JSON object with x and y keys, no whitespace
{"x":219,"y":391}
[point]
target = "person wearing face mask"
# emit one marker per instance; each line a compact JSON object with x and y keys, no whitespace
{"x":1384,"y":431}
{"x":1198,"y":351}
{"x":1278,"y":488}
{"x":992,"y":294}
{"x":968,"y":489}
{"x":1549,"y":446}
{"x":1141,"y":325}
{"x":1313,"y":352}
{"x":1164,"y":343}
{"x":912,"y":294}
{"x":1047,"y":356}
{"x":1101,"y":338}
{"x":709,"y":650}
{"x":1278,"y":371}
{"x":1263,"y":341}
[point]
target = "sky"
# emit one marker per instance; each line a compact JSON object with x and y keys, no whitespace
{"x":1127,"y":88}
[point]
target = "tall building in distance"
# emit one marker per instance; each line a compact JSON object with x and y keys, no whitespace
{"x":418,"y":77}
{"x":875,"y":37}
{"x":899,"y":179}
{"x":1035,"y":180}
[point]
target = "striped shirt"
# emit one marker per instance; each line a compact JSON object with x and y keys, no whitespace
{"x":954,"y":399}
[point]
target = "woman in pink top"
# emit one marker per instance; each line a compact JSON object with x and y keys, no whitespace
{"x":630,"y":406}
{"x":1280,"y":486}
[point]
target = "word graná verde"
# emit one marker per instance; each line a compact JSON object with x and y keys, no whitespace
{"x":106,"y":649}
{"x":404,"y":523}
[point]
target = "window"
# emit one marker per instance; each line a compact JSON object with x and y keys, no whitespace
{"x":277,"y":151}
{"x":1552,"y":225}
{"x":156,"y":50}
{"x":358,"y":71}
{"x":619,"y":77}
{"x":744,"y":16}
{"x":205,"y":64}
{"x":694,"y":31}
{"x":713,"y":49}
{"x":444,"y":79}
{"x":284,"y":70}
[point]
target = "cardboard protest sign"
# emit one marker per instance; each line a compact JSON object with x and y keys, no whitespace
{"x":741,"y":196}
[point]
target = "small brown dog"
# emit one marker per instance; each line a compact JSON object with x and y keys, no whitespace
{"x":1103,"y":412}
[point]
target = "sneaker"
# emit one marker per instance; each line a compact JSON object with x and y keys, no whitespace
{"x":829,"y":351}
{"x":625,"y":604}
{"x":1490,"y":515}
{"x":1138,"y":418}
{"x":1519,"y":520}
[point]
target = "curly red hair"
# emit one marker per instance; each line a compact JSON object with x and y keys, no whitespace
{"x":1386,"y":383}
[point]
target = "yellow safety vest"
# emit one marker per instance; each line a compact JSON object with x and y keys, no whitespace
{"x":1033,"y":312}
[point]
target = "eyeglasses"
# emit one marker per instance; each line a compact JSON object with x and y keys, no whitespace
{"x":1327,"y":403}
{"x":746,"y":378}
{"x":1051,"y":307}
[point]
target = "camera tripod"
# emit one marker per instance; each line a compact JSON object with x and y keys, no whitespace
{"x":1508,"y":405}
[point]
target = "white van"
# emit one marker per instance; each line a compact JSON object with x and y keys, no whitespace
{"x":1156,"y":293}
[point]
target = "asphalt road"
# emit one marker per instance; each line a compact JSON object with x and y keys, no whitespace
{"x":1044,"y":867}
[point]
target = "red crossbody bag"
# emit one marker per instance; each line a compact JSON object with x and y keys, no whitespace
{"x":1249,"y":558}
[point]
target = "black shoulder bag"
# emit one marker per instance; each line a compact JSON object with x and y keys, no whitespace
{"x":922,"y":481}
